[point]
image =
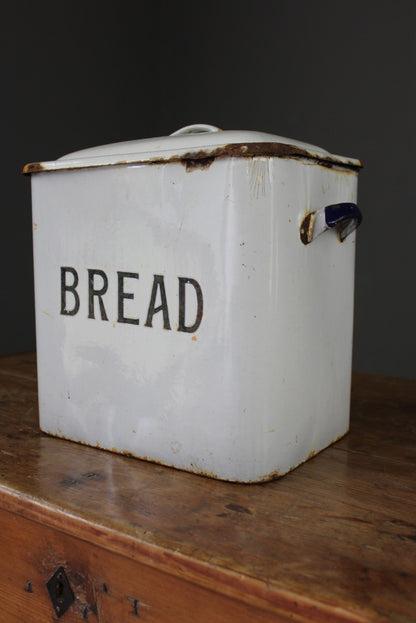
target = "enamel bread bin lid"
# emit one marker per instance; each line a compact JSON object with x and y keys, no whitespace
{"x":199,"y":140}
{"x":194,"y":299}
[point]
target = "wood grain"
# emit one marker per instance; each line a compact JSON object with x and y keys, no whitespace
{"x":335,"y":540}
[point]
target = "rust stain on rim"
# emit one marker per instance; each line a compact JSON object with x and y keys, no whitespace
{"x":203,"y":158}
{"x":193,"y":164}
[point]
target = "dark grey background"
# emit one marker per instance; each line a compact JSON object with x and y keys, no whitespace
{"x":337,"y":74}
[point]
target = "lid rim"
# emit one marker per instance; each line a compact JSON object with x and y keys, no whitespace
{"x":232,"y":150}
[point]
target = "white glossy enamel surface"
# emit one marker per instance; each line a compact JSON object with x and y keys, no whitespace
{"x":264,"y":382}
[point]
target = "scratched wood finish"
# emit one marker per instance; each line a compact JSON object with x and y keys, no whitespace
{"x":109,"y":588}
{"x":335,"y":540}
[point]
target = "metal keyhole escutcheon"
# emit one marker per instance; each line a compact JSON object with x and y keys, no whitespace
{"x":60,"y":591}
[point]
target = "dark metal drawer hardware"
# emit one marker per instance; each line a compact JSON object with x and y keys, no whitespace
{"x":60,"y":592}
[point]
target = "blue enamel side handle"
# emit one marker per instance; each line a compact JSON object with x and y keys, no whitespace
{"x":344,"y":217}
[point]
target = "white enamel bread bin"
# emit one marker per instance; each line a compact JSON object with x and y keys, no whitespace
{"x":194,"y":299}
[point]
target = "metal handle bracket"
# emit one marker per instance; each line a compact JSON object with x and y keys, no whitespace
{"x":343,"y":217}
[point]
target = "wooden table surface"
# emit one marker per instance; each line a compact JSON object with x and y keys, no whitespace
{"x":334,"y":540}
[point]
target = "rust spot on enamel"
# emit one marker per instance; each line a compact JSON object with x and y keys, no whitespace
{"x":306,"y":228}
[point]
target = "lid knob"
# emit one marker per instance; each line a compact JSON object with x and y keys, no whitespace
{"x":196,"y":128}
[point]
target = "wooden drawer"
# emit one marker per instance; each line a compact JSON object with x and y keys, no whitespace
{"x":107,"y":587}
